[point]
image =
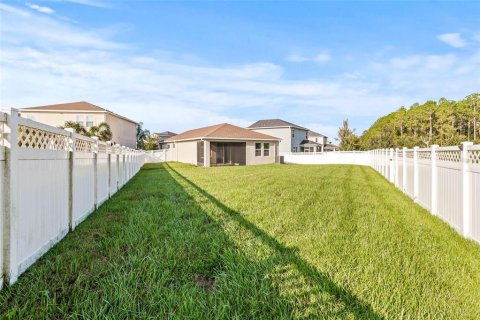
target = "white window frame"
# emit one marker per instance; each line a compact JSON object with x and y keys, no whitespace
{"x":260,"y":150}
{"x":266,"y":149}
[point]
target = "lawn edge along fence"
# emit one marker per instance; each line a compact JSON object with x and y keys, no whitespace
{"x":443,"y":180}
{"x":50,"y":180}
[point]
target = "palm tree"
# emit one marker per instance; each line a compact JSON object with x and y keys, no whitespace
{"x":142,"y":135}
{"x":102,"y":131}
{"x":75,"y":126}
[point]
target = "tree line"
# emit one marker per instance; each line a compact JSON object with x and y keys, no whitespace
{"x":443,"y":122}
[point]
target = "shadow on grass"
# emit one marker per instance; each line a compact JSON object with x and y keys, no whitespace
{"x":283,"y":256}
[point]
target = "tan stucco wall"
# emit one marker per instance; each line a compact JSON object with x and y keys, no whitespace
{"x":185,"y":152}
{"x":252,"y":159}
{"x":59,"y":119}
{"x":123,"y":132}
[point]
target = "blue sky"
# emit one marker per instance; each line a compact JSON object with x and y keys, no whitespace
{"x":180,"y":65}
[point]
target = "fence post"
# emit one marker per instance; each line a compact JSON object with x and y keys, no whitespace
{"x":433,"y":157}
{"x":466,"y":191}
{"x":9,"y":252}
{"x":71,"y":156}
{"x":396,"y":167}
{"x":95,"y":172}
{"x":404,"y":168}
{"x":391,"y":165}
{"x":109,"y":166}
{"x":117,"y":151}
{"x":415,"y":173}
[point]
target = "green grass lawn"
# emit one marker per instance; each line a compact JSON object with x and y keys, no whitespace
{"x":257,"y":242}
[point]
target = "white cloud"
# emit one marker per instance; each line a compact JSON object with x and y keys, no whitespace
{"x":48,"y":61}
{"x":452,"y":39}
{"x":41,"y":9}
{"x":319,"y":58}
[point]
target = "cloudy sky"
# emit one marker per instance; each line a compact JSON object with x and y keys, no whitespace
{"x":181,"y":65}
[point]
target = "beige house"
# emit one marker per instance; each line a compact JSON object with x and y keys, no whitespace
{"x":124,"y":130}
{"x":223,"y":144}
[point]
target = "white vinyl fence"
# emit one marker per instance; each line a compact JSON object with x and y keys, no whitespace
{"x":156,"y":156}
{"x":443,"y":180}
{"x":341,"y":157}
{"x":50,"y":181}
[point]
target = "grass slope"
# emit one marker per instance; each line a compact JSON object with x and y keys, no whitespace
{"x":259,"y":242}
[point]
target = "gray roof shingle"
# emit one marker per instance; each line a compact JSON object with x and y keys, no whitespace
{"x":272,"y":123}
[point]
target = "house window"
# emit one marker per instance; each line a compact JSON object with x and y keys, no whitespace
{"x":306,"y":136}
{"x":89,"y":121}
{"x":80,"y":120}
{"x":266,"y":149}
{"x":293,"y":133}
{"x":258,"y":149}
{"x":294,"y":149}
{"x":316,"y":139}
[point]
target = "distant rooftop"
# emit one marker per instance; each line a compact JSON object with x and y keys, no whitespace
{"x":274,"y":123}
{"x":315,"y":134}
{"x":221,"y":131}
{"x":166,"y":134}
{"x":73,"y":107}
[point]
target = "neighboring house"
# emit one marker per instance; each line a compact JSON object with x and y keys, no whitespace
{"x":161,"y":137}
{"x":124,"y":130}
{"x":315,"y":143}
{"x":331,"y":147}
{"x":291,"y":134}
{"x":223,"y":144}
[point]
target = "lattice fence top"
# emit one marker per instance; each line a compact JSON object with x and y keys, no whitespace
{"x":409,"y":154}
{"x":424,"y":155}
{"x":449,"y":155}
{"x":474,"y":156}
{"x":34,"y":138}
{"x":102,"y":147}
{"x":82,"y":145}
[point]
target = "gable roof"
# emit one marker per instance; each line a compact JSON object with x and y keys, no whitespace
{"x":80,"y":106}
{"x":315,"y":134}
{"x":166,"y":133}
{"x":309,"y":142}
{"x":221,"y":131}
{"x":274,"y":123}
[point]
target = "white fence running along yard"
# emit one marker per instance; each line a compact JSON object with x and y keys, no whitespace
{"x":443,"y":180}
{"x":50,"y":181}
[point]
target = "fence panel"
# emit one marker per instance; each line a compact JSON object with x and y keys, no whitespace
{"x":102,"y":173}
{"x":450,"y":186}
{"x":424,"y":197}
{"x":3,"y":119}
{"x":474,"y":160}
{"x":83,"y":178}
{"x":40,"y":189}
{"x":113,"y":170}
{"x":409,"y":167}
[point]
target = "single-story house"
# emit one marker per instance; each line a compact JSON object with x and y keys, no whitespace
{"x":223,"y":144}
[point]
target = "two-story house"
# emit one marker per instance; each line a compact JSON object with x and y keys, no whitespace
{"x":124,"y":130}
{"x":292,"y":135}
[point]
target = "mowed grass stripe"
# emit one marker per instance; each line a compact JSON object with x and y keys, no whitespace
{"x":266,"y":242}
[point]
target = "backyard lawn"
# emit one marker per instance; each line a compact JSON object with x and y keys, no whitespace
{"x":255,"y":242}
